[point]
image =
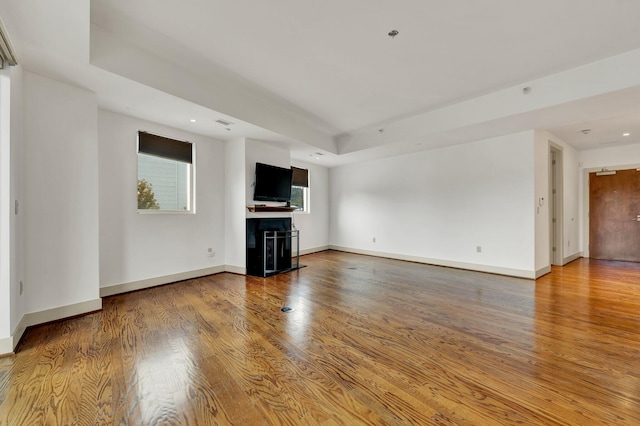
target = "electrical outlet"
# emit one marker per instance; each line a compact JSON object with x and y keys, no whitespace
{"x":210,"y":252}
{"x":478,"y":249}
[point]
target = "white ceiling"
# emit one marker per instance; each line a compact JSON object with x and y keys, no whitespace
{"x":615,"y":131}
{"x":332,"y":62}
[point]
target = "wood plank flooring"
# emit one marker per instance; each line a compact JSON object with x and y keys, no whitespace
{"x":369,"y":341}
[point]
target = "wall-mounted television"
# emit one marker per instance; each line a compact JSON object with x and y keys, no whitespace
{"x":272,"y":183}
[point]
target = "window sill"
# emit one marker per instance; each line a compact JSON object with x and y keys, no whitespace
{"x":153,"y":211}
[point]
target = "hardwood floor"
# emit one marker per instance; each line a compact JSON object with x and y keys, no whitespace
{"x":370,"y":341}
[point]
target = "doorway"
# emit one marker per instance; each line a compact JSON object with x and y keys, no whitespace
{"x":555,"y":205}
{"x":614,"y":215}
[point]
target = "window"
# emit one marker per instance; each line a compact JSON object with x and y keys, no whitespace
{"x":299,"y":198}
{"x":165,"y":174}
{"x":300,"y":189}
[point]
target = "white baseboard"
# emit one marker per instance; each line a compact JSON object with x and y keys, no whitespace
{"x":543,"y":271}
{"x":571,"y":258}
{"x":519,"y":273}
{"x":8,"y":344}
{"x":156,"y":281}
{"x":313,"y":250}
{"x":238,"y":270}
{"x":22,"y":327}
{"x":61,"y":312}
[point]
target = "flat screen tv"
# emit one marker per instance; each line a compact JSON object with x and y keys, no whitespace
{"x":272,"y":183}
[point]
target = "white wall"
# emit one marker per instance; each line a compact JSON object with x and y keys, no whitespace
{"x":262,"y":152}
{"x":235,"y":206}
{"x":612,"y":157}
{"x":5,"y":211}
{"x":135,"y":247}
{"x":571,"y":198}
{"x":314,"y":225}
{"x":17,"y":194}
{"x":241,"y":158}
{"x":61,"y":194}
{"x":437,"y":206}
{"x":541,"y":203}
{"x":570,"y":202}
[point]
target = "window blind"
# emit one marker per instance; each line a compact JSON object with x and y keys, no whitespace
{"x":300,"y":177}
{"x":165,"y":147}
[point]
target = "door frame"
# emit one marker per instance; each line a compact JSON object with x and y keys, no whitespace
{"x":556,"y":204}
{"x":585,"y":199}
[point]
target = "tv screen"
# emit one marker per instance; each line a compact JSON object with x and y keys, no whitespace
{"x":272,"y":183}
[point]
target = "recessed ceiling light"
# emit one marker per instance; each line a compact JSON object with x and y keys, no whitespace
{"x":626,"y":134}
{"x":193,"y":120}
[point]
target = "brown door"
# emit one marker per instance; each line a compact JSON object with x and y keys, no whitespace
{"x":614,"y":216}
